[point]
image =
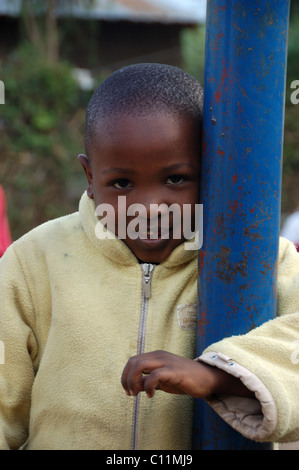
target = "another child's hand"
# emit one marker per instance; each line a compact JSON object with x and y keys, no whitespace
{"x":160,"y":370}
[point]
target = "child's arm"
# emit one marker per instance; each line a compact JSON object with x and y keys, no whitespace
{"x":161,"y":370}
{"x":264,"y":361}
{"x":251,"y":381}
{"x":18,"y":349}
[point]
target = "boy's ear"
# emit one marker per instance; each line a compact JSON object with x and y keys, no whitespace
{"x":87,"y":168}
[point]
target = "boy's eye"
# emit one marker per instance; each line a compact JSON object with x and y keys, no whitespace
{"x":175,"y":179}
{"x":122,"y":183}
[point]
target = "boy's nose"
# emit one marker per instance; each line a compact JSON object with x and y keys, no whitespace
{"x":148,"y":210}
{"x":155,"y":210}
{"x":154,"y":203}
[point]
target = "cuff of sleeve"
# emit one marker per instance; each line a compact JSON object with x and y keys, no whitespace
{"x":255,"y":418}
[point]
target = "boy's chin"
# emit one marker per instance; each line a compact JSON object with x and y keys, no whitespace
{"x":151,"y":250}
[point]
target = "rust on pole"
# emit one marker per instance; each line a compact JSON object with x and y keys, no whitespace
{"x":245,"y":71}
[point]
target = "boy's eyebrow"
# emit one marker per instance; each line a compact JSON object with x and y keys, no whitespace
{"x":174,"y":167}
{"x":118,"y":170}
{"x":178,"y":166}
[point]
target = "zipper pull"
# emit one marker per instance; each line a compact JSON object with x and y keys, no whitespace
{"x":147,"y":277}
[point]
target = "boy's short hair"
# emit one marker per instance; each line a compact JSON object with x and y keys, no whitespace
{"x":142,"y":88}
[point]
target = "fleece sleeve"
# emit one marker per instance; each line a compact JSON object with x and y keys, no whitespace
{"x":267,"y":362}
{"x":18,"y":348}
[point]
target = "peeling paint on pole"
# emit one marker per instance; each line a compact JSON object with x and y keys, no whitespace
{"x":245,"y":69}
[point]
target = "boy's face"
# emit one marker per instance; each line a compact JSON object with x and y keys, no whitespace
{"x":149,"y":160}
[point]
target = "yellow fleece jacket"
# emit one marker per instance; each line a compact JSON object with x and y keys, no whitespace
{"x":72,"y":312}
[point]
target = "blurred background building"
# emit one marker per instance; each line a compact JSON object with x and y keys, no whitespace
{"x":54,"y":53}
{"x":123,"y":31}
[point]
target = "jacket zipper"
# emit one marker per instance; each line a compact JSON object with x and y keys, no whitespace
{"x":147,"y":269}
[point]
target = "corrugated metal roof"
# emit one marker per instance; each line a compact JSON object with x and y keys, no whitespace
{"x":141,"y":6}
{"x":165,"y":11}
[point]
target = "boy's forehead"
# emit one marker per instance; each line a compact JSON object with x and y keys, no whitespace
{"x":137,"y":126}
{"x":118,"y":121}
{"x":163,"y":139}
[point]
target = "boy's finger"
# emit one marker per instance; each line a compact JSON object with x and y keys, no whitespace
{"x":131,"y":376}
{"x":124,"y":377}
{"x":151,"y":382}
{"x":136,"y":367}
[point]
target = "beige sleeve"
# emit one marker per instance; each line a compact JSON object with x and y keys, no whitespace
{"x":267,"y":362}
{"x":18,"y":346}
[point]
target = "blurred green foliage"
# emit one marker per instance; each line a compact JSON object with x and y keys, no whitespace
{"x":193,"y":51}
{"x":41,"y":131}
{"x":40,"y":96}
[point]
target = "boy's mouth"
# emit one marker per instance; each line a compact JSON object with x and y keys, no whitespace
{"x":159,"y":232}
{"x":154,"y":234}
{"x":150,"y":232}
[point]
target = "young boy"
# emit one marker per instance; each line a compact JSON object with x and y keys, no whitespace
{"x":77,"y":303}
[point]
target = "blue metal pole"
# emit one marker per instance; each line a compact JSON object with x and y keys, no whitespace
{"x":245,"y":71}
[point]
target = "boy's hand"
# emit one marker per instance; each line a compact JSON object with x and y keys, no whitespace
{"x":161,"y":370}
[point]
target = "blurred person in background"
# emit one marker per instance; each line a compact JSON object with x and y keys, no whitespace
{"x":5,"y":237}
{"x":290,"y":228}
